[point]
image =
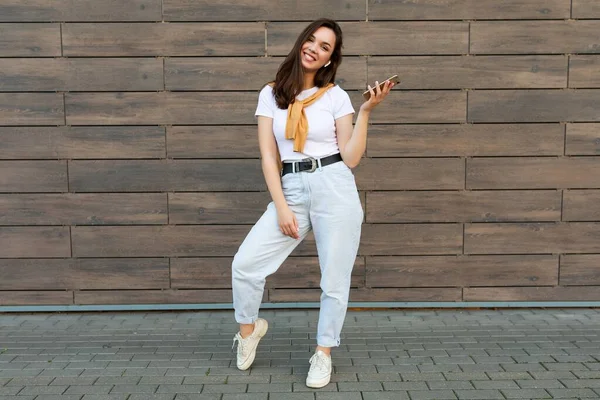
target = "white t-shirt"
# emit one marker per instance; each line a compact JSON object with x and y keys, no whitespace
{"x":321,"y":140}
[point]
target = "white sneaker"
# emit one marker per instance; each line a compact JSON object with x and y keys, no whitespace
{"x":246,"y":350}
{"x":320,"y":370}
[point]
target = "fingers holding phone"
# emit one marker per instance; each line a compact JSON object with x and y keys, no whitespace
{"x":374,"y":96}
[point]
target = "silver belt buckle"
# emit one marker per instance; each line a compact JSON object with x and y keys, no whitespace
{"x":313,"y":166}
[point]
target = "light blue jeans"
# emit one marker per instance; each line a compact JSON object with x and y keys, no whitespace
{"x":327,"y":202}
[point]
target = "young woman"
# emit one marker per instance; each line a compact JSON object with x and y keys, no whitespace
{"x":305,"y":123}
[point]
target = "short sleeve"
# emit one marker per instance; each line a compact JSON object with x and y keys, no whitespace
{"x":266,"y":103}
{"x":342,"y":104}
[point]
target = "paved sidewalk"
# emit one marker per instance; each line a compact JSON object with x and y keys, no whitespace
{"x":391,"y":354}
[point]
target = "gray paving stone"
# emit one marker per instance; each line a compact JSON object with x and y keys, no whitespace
{"x":432,"y":395}
{"x":479,"y":394}
{"x":497,"y":384}
{"x":180,"y":389}
{"x":39,"y":390}
{"x":105,"y":397}
{"x":11,"y":390}
{"x":579,"y":393}
{"x":526,"y":393}
{"x":338,"y":396}
{"x":134,"y":389}
{"x":82,"y":389}
{"x":164,"y":396}
{"x":292,"y":396}
{"x":55,"y":397}
{"x":233,"y":388}
{"x":452,"y":385}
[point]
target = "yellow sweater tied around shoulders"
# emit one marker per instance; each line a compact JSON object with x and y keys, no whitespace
{"x":296,"y":127}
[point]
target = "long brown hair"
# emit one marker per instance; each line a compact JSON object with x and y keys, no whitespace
{"x":289,"y":80}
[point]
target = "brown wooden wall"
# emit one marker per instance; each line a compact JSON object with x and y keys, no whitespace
{"x":129,"y":168}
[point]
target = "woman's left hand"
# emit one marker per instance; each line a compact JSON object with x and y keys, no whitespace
{"x":377,"y":95}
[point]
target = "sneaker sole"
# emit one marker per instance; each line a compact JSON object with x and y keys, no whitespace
{"x":250,"y":359}
{"x":318,"y":384}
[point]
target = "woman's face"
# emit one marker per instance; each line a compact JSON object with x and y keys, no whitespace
{"x":317,"y":50}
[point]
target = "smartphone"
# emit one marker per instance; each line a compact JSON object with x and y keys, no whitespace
{"x":394,"y":79}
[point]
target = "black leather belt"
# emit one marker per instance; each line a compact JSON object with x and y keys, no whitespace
{"x":309,"y":164}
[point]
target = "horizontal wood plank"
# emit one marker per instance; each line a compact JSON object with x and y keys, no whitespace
{"x":29,"y":40}
{"x":52,"y":274}
{"x":529,"y":238}
{"x":410,"y":174}
{"x":534,"y":37}
{"x":460,"y":72}
{"x":584,"y":71}
{"x":165,"y":175}
{"x":33,"y":176}
{"x":35,"y":298}
{"x":557,"y":293}
{"x":533,"y":172}
{"x":32,"y":109}
{"x":82,"y":142}
{"x":158,"y":241}
{"x":463,"y":206}
{"x":246,"y":73}
{"x":583,"y":139}
{"x":411,"y":239}
{"x":468,"y":9}
{"x":580,"y":270}
{"x":216,"y":208}
{"x":162,"y":108}
{"x":462,"y":271}
{"x":370,"y":295}
{"x":63,"y":74}
{"x":47,"y":242}
{"x":79,"y":10}
{"x":373,"y":38}
{"x":470,"y":140}
{"x":160,"y":39}
{"x":83,"y":209}
{"x":152,"y":296}
{"x":262,"y":10}
{"x":534,"y":105}
{"x":304,"y":272}
{"x":586,"y":9}
{"x":581,"y":205}
{"x":233,"y":141}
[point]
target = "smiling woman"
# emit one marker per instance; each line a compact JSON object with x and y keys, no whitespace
{"x":308,"y":145}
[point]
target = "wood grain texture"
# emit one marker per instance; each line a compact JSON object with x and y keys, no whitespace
{"x":529,"y":238}
{"x":29,"y":40}
{"x":580,"y":269}
{"x":262,"y":10}
{"x":535,"y":37}
{"x":533,"y":173}
{"x":464,"y":72}
{"x":159,"y":39}
{"x":411,"y":239}
{"x":33,"y":176}
{"x":304,"y":272}
{"x":83,"y":209}
{"x":82,"y":142}
{"x":246,"y":73}
{"x":586,"y":9}
{"x":583,"y":139}
{"x":165,"y":175}
{"x":417,"y":107}
{"x":462,"y":271}
{"x":217,"y":208}
{"x":21,"y":242}
{"x":152,"y":296}
{"x":52,"y":274}
{"x":556,"y":293}
{"x":373,"y":38}
{"x":162,"y":108}
{"x":463,"y":206}
{"x":79,"y":10}
{"x":460,"y":140}
{"x":215,"y":141}
{"x":410,"y":174}
{"x":35,"y":298}
{"x":157,"y":241}
{"x":468,"y":9}
{"x":31,"y":109}
{"x":584,"y":71}
{"x":96,"y":74}
{"x":581,"y":205}
{"x":534,"y":105}
{"x":370,"y":295}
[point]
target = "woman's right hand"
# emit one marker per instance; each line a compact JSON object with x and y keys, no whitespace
{"x":288,"y":224}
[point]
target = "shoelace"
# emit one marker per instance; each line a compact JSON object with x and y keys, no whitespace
{"x":241,"y":343}
{"x":318,"y":362}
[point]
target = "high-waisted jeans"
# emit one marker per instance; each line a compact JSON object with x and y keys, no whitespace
{"x":327,"y":202}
